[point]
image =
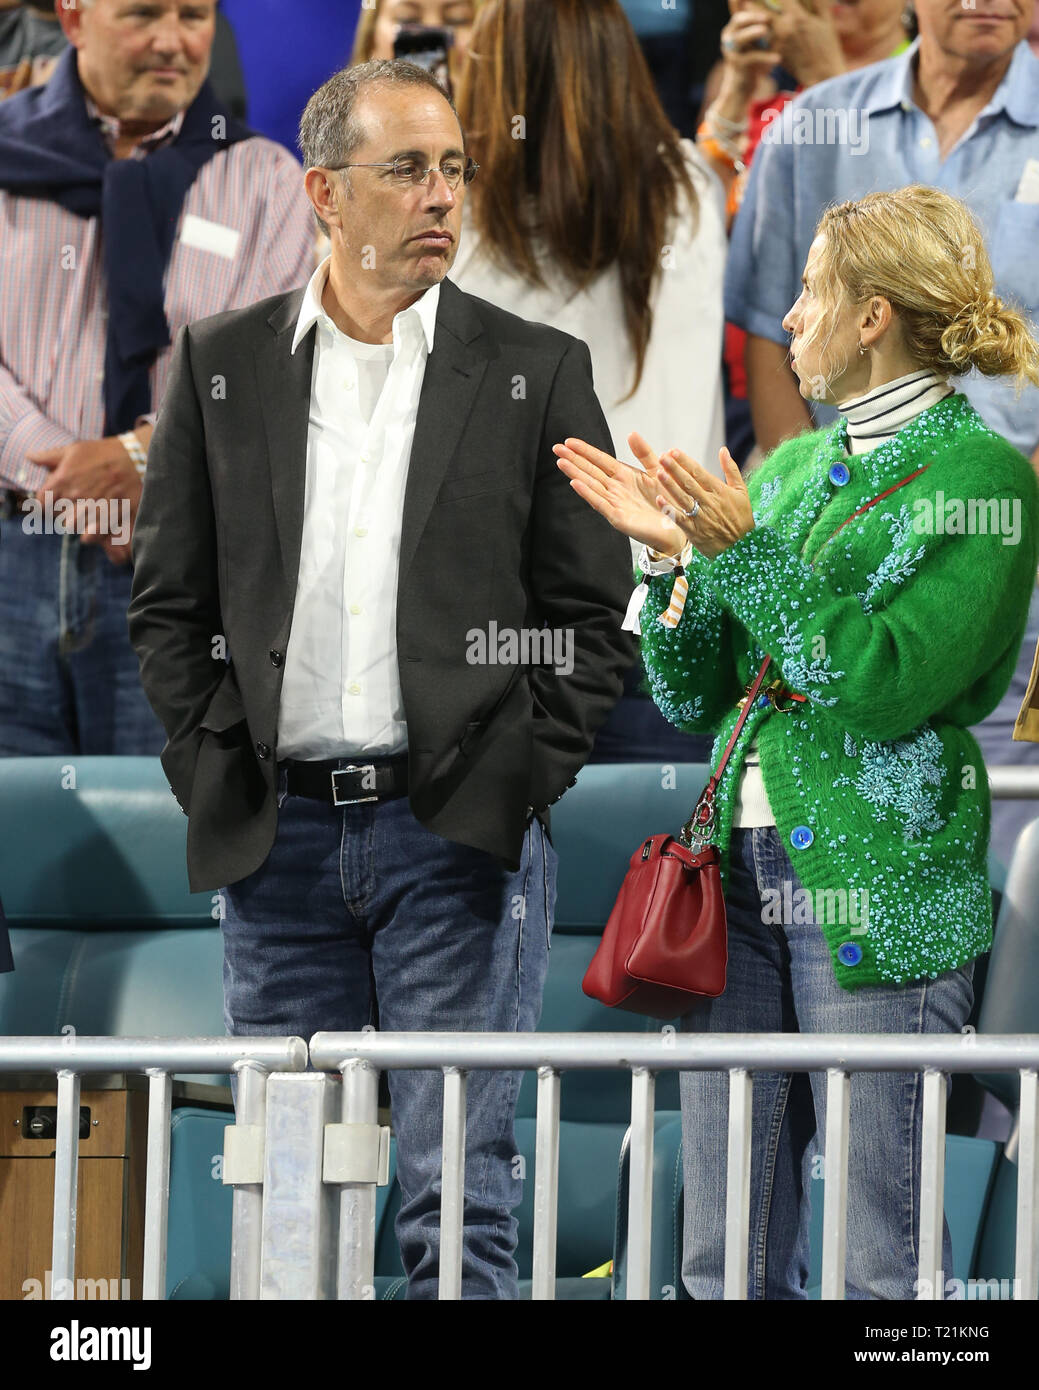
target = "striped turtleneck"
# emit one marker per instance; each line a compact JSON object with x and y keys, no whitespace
{"x":883,"y":411}
{"x":871,"y":419}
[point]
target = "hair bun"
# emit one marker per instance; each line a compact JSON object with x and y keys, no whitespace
{"x":981,"y":311}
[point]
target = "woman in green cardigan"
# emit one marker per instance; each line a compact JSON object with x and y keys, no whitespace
{"x":885,"y":565}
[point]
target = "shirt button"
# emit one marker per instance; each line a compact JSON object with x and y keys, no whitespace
{"x":355,"y":608}
{"x":276,"y":658}
{"x":353,"y":688}
{"x":839,"y":474}
{"x":360,"y":530}
{"x":263,"y":750}
{"x":849,"y":954}
{"x":348,"y":385}
{"x":925,"y":143}
{"x":365,"y":458}
{"x":801,"y":837}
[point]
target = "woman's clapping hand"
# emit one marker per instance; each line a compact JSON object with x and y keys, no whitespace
{"x":711,"y":513}
{"x":626,"y":496}
{"x":670,"y":499}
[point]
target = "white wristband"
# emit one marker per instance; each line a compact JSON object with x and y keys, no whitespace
{"x":134,"y":448}
{"x":666,"y":563}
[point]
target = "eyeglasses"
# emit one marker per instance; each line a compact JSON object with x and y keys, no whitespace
{"x":409,"y":173}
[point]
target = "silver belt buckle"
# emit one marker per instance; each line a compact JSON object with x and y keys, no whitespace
{"x":350,"y":800}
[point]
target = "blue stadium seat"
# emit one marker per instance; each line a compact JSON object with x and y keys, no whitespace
{"x":106,"y":936}
{"x":108,"y":939}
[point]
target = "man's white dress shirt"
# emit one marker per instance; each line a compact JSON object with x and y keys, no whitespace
{"x":341,"y":688}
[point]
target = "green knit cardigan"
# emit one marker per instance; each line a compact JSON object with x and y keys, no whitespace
{"x":901,"y":630}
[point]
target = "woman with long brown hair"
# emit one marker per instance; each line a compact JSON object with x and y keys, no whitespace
{"x":591,"y":214}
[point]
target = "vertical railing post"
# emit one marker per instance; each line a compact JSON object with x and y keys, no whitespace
{"x":357,"y":1202}
{"x":931,"y":1284}
{"x":835,"y":1203}
{"x":640,"y":1183}
{"x":157,"y":1184}
{"x":546,"y":1185}
{"x":737,"y":1193}
{"x":66,"y":1176}
{"x":247,"y":1200}
{"x":452,"y":1184}
{"x":1026,"y":1281}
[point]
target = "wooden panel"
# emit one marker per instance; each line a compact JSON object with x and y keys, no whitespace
{"x":26,"y":1217}
{"x":108,"y":1136}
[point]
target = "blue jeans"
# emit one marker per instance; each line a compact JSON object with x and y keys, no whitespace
{"x":69,"y":679}
{"x":361,"y":915}
{"x":780,"y":979}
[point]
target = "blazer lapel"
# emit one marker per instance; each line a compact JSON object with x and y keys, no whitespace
{"x":454,"y":371}
{"x":285,"y":381}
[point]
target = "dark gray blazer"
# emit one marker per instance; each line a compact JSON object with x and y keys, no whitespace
{"x":492,"y":532}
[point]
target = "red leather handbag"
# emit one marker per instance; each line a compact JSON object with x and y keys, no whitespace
{"x":665,"y":946}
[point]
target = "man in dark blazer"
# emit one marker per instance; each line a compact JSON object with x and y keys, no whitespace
{"x":381,"y":631}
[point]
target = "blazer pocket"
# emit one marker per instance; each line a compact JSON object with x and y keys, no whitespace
{"x":225,"y":709}
{"x":475,"y":485}
{"x":471,"y":730}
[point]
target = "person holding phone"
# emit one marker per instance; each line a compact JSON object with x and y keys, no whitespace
{"x":773,"y":49}
{"x":432,"y":33}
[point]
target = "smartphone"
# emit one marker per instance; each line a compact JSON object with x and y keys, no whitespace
{"x":428,"y":48}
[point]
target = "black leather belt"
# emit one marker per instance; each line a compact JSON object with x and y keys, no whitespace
{"x":345,"y":784}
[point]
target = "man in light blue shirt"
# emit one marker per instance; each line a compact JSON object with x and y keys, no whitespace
{"x":959,"y":110}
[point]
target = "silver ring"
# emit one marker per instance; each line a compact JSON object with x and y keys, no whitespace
{"x":729,"y":45}
{"x":694,"y":509}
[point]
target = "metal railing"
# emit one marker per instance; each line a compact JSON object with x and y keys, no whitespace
{"x":305,"y":1172}
{"x":1012,"y":782}
{"x":359,"y":1057}
{"x":71,"y":1058}
{"x":280,"y":1244}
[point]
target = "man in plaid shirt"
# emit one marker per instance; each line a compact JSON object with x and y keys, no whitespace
{"x":131,"y":203}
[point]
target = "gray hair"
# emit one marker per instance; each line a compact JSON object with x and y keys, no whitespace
{"x":329,"y":131}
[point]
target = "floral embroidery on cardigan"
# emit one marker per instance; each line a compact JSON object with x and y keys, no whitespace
{"x":799,"y":673}
{"x":898,"y":564}
{"x":901,"y":776}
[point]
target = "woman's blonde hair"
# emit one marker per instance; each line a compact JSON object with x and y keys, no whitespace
{"x":364,"y":34}
{"x":923,"y":251}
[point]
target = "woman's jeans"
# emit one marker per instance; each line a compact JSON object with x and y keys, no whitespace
{"x":780,"y":979}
